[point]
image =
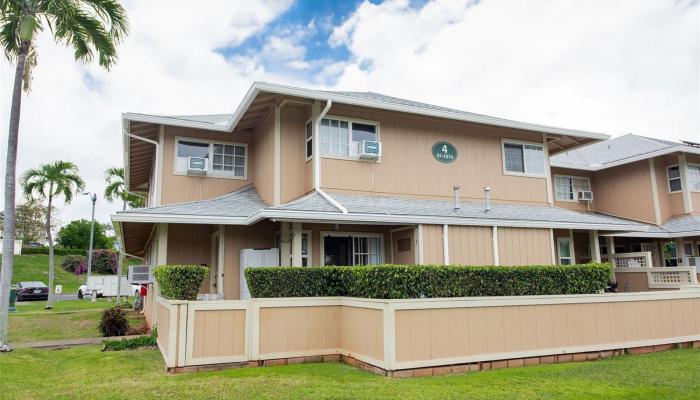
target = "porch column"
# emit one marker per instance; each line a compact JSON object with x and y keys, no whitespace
{"x":296,"y":244}
{"x":572,"y":247}
{"x":611,"y":245}
{"x":595,"y":245}
{"x":285,"y":244}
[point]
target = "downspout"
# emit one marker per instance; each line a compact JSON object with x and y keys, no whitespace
{"x":157,"y":162}
{"x":317,"y":159}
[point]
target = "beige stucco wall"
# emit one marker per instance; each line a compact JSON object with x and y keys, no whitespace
{"x":432,"y":244}
{"x":670,"y":204}
{"x":296,"y":173}
{"x":625,"y":191}
{"x":164,"y":326}
{"x":470,"y":245}
{"x":633,"y":282}
{"x":462,"y":332}
{"x":262,"y":158}
{"x":407,"y":256}
{"x":182,"y":188}
{"x":218,"y":333}
{"x":573,"y":205}
{"x":406,"y":146}
{"x":362,"y":331}
{"x":524,"y":246}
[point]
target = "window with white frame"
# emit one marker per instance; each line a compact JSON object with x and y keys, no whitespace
{"x":674,"y":178}
{"x":694,"y":177}
{"x":351,"y":248}
{"x":366,"y":250}
{"x":223,"y":159}
{"x":342,"y":138}
{"x":523,"y":158}
{"x":305,"y":249}
{"x":566,"y":188}
{"x":309,"y":140}
{"x":688,"y":249}
{"x":564,"y":247}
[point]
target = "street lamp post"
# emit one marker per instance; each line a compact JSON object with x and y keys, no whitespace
{"x":93,"y":198}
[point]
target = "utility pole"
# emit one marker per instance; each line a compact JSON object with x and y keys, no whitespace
{"x":93,"y":198}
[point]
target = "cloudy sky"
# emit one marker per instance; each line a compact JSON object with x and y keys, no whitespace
{"x":612,"y":67}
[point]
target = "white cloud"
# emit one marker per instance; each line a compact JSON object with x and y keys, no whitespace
{"x":613,"y":67}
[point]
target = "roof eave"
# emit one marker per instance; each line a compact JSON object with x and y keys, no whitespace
{"x":645,"y":156}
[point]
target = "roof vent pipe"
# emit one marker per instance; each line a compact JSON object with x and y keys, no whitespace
{"x":455,"y":193}
{"x":487,"y":198}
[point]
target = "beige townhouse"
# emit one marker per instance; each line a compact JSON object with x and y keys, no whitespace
{"x":302,"y":177}
{"x":649,"y":180}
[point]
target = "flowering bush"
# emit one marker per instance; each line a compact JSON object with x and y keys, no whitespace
{"x":75,"y":264}
{"x":104,"y":262}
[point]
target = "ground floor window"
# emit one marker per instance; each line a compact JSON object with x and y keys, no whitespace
{"x":352,"y":249}
{"x":564,"y":246}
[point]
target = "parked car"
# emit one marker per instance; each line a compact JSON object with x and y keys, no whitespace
{"x":32,"y":290}
{"x":82,"y":291}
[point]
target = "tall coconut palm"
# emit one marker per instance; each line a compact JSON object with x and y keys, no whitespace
{"x":92,"y":28}
{"x":47,"y":182}
{"x":116,"y":189}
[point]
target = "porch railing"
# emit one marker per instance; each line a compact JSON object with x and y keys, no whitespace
{"x":671,"y":277}
{"x":640,"y":259}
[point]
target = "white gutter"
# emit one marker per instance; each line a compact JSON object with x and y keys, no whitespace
{"x":317,"y":159}
{"x":155,"y":166}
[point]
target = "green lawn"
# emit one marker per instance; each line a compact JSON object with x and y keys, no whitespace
{"x":71,"y":319}
{"x":85,"y":371}
{"x":35,"y":267}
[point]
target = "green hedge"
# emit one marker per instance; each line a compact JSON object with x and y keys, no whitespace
{"x":180,"y":282}
{"x":59,"y":251}
{"x":421,"y":281}
{"x":131,"y":343}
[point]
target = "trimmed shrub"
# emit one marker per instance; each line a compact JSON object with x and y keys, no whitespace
{"x":113,"y":322}
{"x":58,"y":251}
{"x":427,"y":281}
{"x":72,"y":263}
{"x":180,"y":282}
{"x":104,"y":262}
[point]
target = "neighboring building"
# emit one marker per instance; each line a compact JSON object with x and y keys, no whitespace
{"x":643,"y":179}
{"x":354,"y":178}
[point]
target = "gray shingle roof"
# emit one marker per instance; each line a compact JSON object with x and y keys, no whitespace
{"x":241,"y":203}
{"x":678,"y":225}
{"x":445,"y":208}
{"x":611,"y":151}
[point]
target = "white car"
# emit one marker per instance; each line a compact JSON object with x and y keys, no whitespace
{"x":82,"y":291}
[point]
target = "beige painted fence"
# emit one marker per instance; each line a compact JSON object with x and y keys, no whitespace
{"x":405,"y":334}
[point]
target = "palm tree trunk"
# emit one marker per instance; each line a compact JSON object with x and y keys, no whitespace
{"x":8,"y":241}
{"x":49,"y":300}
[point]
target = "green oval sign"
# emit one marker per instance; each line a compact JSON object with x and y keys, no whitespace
{"x":444,"y":152}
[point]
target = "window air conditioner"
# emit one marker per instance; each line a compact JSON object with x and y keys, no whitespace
{"x":196,"y":166}
{"x":140,"y":274}
{"x":370,"y":149}
{"x":585,"y":195}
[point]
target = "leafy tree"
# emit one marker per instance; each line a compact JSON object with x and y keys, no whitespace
{"x":92,"y":28}
{"x":31,"y":220}
{"x":76,"y":235}
{"x":59,"y":178}
{"x":116,"y":189}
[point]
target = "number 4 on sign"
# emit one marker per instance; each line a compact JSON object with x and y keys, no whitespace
{"x":444,"y":148}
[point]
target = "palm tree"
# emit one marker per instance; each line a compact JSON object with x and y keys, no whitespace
{"x":88,"y":26}
{"x":49,"y":181}
{"x":116,"y":189}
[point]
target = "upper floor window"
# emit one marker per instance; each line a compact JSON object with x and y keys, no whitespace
{"x":694,"y":177}
{"x":566,"y":188}
{"x":342,"y":138}
{"x":222,"y":159}
{"x":674,"y":178}
{"x":523,"y":158}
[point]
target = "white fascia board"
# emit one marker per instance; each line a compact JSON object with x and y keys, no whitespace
{"x":177,"y":219}
{"x":437,"y":220}
{"x":660,"y":235}
{"x":313,"y":94}
{"x":125,"y":152}
{"x":645,"y":156}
